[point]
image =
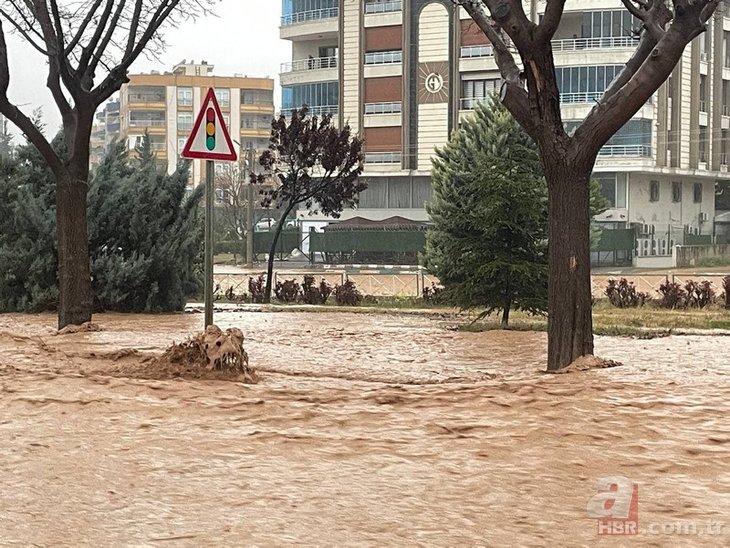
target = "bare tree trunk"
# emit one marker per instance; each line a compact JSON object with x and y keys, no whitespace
{"x":570,"y":324}
{"x":74,"y":271}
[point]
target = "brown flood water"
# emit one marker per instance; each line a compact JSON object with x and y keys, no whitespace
{"x":365,"y":429}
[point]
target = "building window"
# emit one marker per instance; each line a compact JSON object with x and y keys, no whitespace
{"x":319,"y":96}
{"x":184,"y":121}
{"x":698,"y":193}
{"x":224,"y":97}
{"x":476,"y":91}
{"x":247,"y":97}
{"x":185,"y":97}
{"x":610,"y":23}
{"x":654,"y":191}
{"x":181,"y":144}
{"x":585,"y":84}
{"x":676,"y":192}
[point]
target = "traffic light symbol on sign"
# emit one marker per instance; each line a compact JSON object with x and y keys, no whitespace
{"x":210,"y":129}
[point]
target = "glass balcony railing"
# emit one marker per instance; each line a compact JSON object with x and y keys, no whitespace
{"x":470,"y":52}
{"x":383,"y":108}
{"x":382,"y":157}
{"x":380,"y":6}
{"x":314,"y":63}
{"x":384,"y":57}
{"x":311,"y":15}
{"x":316,"y":110}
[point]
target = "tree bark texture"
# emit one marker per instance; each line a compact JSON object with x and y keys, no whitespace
{"x":74,"y":271}
{"x":570,"y":323}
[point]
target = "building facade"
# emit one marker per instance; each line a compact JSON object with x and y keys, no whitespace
{"x":105,"y":131}
{"x":165,"y":106}
{"x":404,"y":73}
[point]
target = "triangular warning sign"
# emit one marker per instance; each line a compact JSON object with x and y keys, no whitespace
{"x":209,"y":139}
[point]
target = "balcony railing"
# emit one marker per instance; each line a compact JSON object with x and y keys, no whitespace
{"x":572,"y":44}
{"x":311,"y":15}
{"x":317,"y":110}
{"x":382,"y":157}
{"x":384,"y":57}
{"x":383,"y":108}
{"x":314,"y":63}
{"x":643,"y":151}
{"x":470,"y":103}
{"x":380,"y":6}
{"x":146,"y":98}
{"x":146,"y":122}
{"x":588,"y":97}
{"x":469,"y":52}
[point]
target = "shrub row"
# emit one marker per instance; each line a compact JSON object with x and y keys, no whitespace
{"x":672,"y":295}
{"x":309,"y":292}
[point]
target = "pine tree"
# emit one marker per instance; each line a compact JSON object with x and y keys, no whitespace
{"x":145,"y":235}
{"x":28,"y":264}
{"x":488,"y":245}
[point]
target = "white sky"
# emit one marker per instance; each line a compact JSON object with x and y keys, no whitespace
{"x":242,"y":39}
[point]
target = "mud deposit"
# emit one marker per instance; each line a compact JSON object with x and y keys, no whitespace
{"x":363,"y":429}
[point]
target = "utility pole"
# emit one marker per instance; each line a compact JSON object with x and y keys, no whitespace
{"x":249,"y":209}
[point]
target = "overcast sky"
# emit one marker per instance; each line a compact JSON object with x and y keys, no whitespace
{"x":242,"y":39}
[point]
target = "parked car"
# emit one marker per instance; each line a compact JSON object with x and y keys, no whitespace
{"x":264,"y":224}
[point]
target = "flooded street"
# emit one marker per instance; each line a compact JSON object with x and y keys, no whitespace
{"x":364,"y":429}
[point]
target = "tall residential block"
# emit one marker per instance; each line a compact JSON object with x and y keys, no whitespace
{"x":404,"y":73}
{"x":165,"y":105}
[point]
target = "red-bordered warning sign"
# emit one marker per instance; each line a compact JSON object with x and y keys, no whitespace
{"x":209,"y":139}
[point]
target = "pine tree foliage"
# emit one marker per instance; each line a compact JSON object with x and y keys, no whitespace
{"x":145,"y":235}
{"x":488,"y":245}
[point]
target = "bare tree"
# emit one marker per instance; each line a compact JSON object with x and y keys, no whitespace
{"x":89,"y":46}
{"x":232,"y":183}
{"x":530,"y":92}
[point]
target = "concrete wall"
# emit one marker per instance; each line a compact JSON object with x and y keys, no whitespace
{"x":692,"y":255}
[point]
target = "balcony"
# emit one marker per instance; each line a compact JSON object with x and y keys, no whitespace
{"x":145,"y":95}
{"x":382,"y":157}
{"x":384,"y":57}
{"x":470,"y":52}
{"x":470,"y":103}
{"x":579,"y":44}
{"x":640,"y":151}
{"x":147,"y":122}
{"x":314,"y":69}
{"x":379,"y":6}
{"x":310,"y":25}
{"x":314,"y":63}
{"x":384,"y":108}
{"x":317,"y":110}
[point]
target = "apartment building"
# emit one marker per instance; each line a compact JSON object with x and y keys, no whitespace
{"x":105,"y":131}
{"x":165,"y":105}
{"x":405,"y":72}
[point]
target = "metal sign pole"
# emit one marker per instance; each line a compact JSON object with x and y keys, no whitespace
{"x":209,"y":191}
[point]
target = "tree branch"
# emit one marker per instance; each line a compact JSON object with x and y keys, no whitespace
{"x":22,"y":121}
{"x":550,"y":21}
{"x":616,"y":108}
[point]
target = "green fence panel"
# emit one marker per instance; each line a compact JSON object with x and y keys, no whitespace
{"x":618,"y":239}
{"x":346,"y":241}
{"x":697,"y":239}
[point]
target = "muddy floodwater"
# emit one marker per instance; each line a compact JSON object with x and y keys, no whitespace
{"x":364,"y":429}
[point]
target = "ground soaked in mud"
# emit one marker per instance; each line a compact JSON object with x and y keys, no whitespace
{"x":363,"y":429}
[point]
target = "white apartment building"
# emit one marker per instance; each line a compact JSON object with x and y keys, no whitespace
{"x":405,"y":72}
